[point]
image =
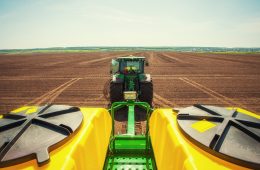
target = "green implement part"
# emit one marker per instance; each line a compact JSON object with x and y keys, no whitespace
{"x":131,"y":120}
{"x":130,"y":151}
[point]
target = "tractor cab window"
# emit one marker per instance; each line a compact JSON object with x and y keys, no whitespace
{"x":131,"y":66}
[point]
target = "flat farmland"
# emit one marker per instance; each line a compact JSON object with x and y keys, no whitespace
{"x":180,"y":79}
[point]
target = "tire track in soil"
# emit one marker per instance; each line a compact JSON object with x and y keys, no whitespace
{"x":173,"y":58}
{"x":57,"y":93}
{"x":151,"y":57}
{"x":162,"y":102}
{"x":165,"y":60}
{"x":50,"y":96}
{"x":214,"y":94}
{"x":103,"y":58}
{"x":106,"y":90}
{"x":205,"y":76}
{"x":220,"y":58}
{"x":95,"y":60}
{"x":158,"y":60}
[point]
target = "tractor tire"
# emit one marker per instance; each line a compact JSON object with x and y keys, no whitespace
{"x":116,"y":92}
{"x":146,"y":92}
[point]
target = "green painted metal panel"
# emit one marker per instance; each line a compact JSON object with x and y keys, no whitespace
{"x":130,"y":151}
{"x":130,"y":144}
{"x":133,"y":162}
{"x":131,"y":120}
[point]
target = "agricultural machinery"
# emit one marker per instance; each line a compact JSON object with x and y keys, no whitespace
{"x":128,"y":75}
{"x":66,"y":137}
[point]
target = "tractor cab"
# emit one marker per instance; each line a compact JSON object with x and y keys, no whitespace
{"x":128,"y":65}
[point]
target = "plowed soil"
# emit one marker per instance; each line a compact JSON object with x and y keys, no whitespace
{"x":180,"y":79}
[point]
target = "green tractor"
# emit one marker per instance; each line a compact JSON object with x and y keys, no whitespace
{"x":128,"y":76}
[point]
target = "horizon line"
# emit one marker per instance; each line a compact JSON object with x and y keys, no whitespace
{"x":130,"y":46}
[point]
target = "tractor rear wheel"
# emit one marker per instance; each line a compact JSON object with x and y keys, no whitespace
{"x":146,"y":92}
{"x":116,"y":92}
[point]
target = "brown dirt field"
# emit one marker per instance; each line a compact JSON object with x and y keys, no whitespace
{"x":180,"y":79}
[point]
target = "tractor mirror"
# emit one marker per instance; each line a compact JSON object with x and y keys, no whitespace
{"x":146,"y":63}
{"x":114,"y":66}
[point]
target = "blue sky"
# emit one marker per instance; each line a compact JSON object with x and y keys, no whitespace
{"x":62,"y":23}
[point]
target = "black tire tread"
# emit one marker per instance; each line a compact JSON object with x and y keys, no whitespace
{"x":146,"y":92}
{"x":116,"y":92}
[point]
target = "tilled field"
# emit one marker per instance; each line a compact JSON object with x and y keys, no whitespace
{"x":180,"y":79}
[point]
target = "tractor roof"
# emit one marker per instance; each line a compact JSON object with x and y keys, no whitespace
{"x":131,"y":57}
